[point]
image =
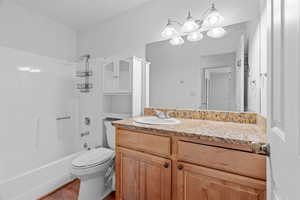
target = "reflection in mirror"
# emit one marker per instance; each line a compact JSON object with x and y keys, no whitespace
{"x":211,"y":73}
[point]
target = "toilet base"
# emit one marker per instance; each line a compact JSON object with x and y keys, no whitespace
{"x":95,"y":182}
{"x":106,"y":193}
{"x":93,"y":189}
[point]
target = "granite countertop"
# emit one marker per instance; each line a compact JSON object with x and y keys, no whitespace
{"x":216,"y":131}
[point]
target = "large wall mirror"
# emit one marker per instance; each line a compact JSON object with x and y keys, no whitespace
{"x":214,"y":68}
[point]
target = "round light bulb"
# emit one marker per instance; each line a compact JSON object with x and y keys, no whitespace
{"x":216,"y":32}
{"x":169,"y":32}
{"x":177,"y":41}
{"x":189,"y":26}
{"x":195,"y":36}
{"x":213,"y":18}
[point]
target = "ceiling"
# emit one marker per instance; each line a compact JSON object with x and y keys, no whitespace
{"x":79,"y":14}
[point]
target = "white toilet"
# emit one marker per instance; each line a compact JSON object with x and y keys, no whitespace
{"x":95,"y":168}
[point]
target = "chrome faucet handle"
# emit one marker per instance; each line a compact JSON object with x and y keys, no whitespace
{"x":167,"y":114}
{"x":159,"y":114}
{"x":162,"y":115}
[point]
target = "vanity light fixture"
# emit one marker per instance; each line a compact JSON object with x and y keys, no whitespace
{"x":193,"y":28}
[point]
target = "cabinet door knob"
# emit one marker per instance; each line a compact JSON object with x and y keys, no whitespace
{"x":180,"y":167}
{"x":166,"y":165}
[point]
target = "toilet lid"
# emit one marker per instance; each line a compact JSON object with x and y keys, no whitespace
{"x":93,"y":157}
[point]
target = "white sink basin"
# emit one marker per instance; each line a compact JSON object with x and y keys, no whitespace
{"x":156,"y":121}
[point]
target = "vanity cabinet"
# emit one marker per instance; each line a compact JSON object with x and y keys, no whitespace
{"x":200,"y":183}
{"x":161,"y":166}
{"x":142,"y":176}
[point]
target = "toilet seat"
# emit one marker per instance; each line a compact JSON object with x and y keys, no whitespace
{"x":93,"y":158}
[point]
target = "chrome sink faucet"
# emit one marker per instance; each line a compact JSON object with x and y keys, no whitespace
{"x":162,"y":115}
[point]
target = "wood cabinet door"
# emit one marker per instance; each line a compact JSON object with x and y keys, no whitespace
{"x":200,"y":183}
{"x":142,"y":176}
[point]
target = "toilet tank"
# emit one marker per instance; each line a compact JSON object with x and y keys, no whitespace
{"x":110,"y":133}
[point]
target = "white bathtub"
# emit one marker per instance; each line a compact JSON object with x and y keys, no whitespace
{"x":37,"y":182}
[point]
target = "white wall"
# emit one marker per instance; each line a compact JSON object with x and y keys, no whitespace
{"x":30,"y":103}
{"x":24,"y":30}
{"x":131,"y":31}
{"x":176,"y":71}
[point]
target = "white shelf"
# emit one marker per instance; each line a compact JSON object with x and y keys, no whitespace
{"x":116,"y":115}
{"x":122,"y":87}
{"x":117,"y":75}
